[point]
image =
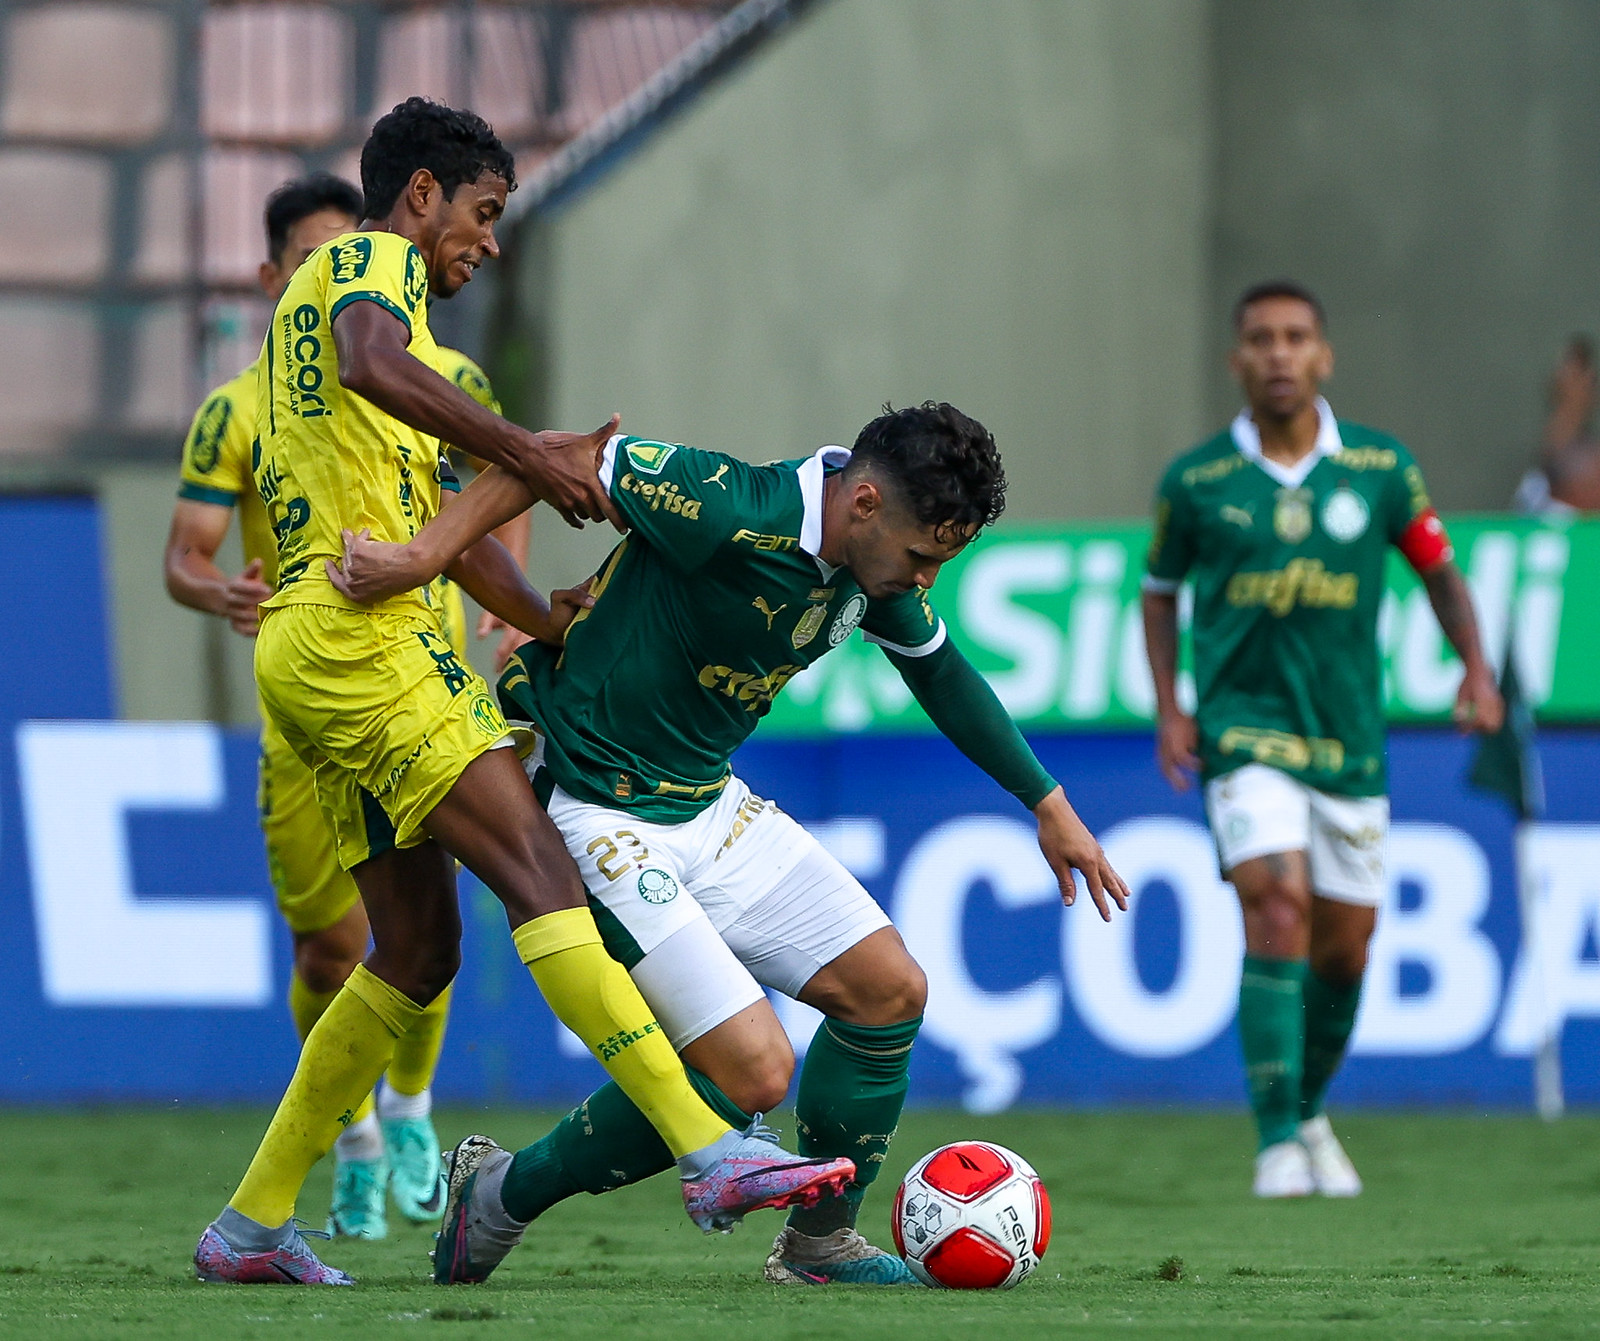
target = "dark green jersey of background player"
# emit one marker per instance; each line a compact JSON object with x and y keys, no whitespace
{"x":1288,"y":567}
{"x":714,"y":601}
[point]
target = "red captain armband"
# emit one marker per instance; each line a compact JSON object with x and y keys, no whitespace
{"x":1425,"y":543}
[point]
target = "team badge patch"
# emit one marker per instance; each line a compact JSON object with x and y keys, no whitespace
{"x":1291,"y":515}
{"x":649,"y":457}
{"x":656,"y":886}
{"x":487,"y":716}
{"x":1345,"y":515}
{"x":807,"y":628}
{"x":848,"y":619}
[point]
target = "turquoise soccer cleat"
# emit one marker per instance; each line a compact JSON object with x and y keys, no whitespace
{"x":415,"y":1181}
{"x":843,"y":1257}
{"x":358,"y":1210}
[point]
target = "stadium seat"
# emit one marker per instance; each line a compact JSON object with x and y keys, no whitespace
{"x":163,"y":388}
{"x":274,"y":73}
{"x":49,"y":373}
{"x":166,"y":240}
{"x":613,"y":52}
{"x":35,"y":183}
{"x":56,"y":53}
{"x":237,"y":181}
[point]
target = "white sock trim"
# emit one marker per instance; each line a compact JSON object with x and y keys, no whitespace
{"x":392,"y":1105}
{"x":360,"y":1140}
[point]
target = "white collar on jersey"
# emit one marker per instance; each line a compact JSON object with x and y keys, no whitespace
{"x":810,"y":476}
{"x":1247,"y":438}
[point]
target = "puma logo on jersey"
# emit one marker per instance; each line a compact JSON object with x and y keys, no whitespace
{"x":760,"y":604}
{"x":717,"y":478}
{"x":1238,"y":516}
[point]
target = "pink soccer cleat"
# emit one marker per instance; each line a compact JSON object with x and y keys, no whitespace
{"x":755,"y":1174}
{"x":291,"y":1263}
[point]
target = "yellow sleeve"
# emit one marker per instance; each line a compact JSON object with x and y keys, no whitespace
{"x":216,"y":454}
{"x":382,"y":268}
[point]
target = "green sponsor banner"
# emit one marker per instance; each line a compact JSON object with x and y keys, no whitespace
{"x":1049,"y":612}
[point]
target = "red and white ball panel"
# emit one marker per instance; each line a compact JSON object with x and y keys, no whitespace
{"x":972,"y":1216}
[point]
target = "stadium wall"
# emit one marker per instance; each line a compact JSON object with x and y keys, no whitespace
{"x":144,"y":961}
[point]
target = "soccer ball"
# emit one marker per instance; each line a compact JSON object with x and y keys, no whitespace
{"x":972,"y":1216}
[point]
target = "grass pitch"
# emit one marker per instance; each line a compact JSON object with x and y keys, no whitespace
{"x":1469,"y":1226}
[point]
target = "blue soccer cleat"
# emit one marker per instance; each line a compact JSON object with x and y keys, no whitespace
{"x":415,"y":1182}
{"x":843,"y":1257}
{"x":359,"y":1210}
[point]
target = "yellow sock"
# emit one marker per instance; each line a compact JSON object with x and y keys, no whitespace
{"x":416,"y":1052}
{"x":342,"y":1059}
{"x":306,"y":1006}
{"x":594,"y":997}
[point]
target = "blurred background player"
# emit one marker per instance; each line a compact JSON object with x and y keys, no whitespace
{"x":395,"y":1147}
{"x":1566,"y":480}
{"x":709,"y":893}
{"x":1283,"y":520}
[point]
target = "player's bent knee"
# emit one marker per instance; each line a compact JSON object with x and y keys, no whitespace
{"x":323,"y":963}
{"x":762,"y":1085}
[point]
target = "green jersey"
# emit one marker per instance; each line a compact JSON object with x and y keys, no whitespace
{"x":1288,"y":568}
{"x":712,"y":603}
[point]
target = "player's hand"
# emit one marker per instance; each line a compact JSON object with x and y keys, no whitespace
{"x":1479,"y":706}
{"x":511,"y":637}
{"x":1177,"y":743}
{"x":245,"y":594}
{"x":1068,"y":845}
{"x":373,"y":569}
{"x":564,"y":607}
{"x":563,"y":470}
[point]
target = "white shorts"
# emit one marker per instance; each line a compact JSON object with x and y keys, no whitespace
{"x":736,"y":899}
{"x":1256,"y":810}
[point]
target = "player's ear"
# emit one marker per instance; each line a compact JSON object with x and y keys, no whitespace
{"x":1325,"y":362}
{"x":421,"y":189}
{"x":267,"y":276}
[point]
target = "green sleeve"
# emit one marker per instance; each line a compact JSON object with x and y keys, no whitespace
{"x":960,"y":703}
{"x":1407,"y":494}
{"x":685,"y":502}
{"x":1172,"y":544}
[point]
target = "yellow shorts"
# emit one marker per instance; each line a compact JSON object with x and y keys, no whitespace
{"x":382,"y":710}
{"x":313,"y":890}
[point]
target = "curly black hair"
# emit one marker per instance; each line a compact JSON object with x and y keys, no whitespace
{"x":456,"y":146}
{"x":945,"y":464}
{"x":299,"y":199}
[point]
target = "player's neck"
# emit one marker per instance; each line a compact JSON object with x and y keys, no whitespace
{"x":1288,"y":440}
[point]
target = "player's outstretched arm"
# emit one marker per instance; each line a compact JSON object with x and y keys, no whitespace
{"x":961,"y":704}
{"x":374,"y":570}
{"x":191,"y":572}
{"x":1176,"y":737}
{"x":1479,"y":706}
{"x":374,"y":363}
{"x":494,"y":579}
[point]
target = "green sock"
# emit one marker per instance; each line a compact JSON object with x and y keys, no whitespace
{"x":1330,"y":1016}
{"x":852,"y":1088}
{"x":601,"y":1145}
{"x":1272,"y":1029}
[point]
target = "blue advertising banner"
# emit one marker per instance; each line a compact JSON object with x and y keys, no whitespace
{"x":144,"y":960}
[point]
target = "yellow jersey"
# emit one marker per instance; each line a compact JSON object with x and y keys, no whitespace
{"x":216,"y":466}
{"x":328,"y":459}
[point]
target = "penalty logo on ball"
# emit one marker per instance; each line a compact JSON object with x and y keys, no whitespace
{"x":656,"y":886}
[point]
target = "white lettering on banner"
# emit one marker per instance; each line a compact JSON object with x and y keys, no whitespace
{"x":99,"y":945}
{"x":1091,"y":629}
{"x":1101,"y":971}
{"x":1563,"y":873}
{"x":985,"y":1030}
{"x":1538,"y":616}
{"x":1443,"y":936}
{"x":1030,"y":639}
